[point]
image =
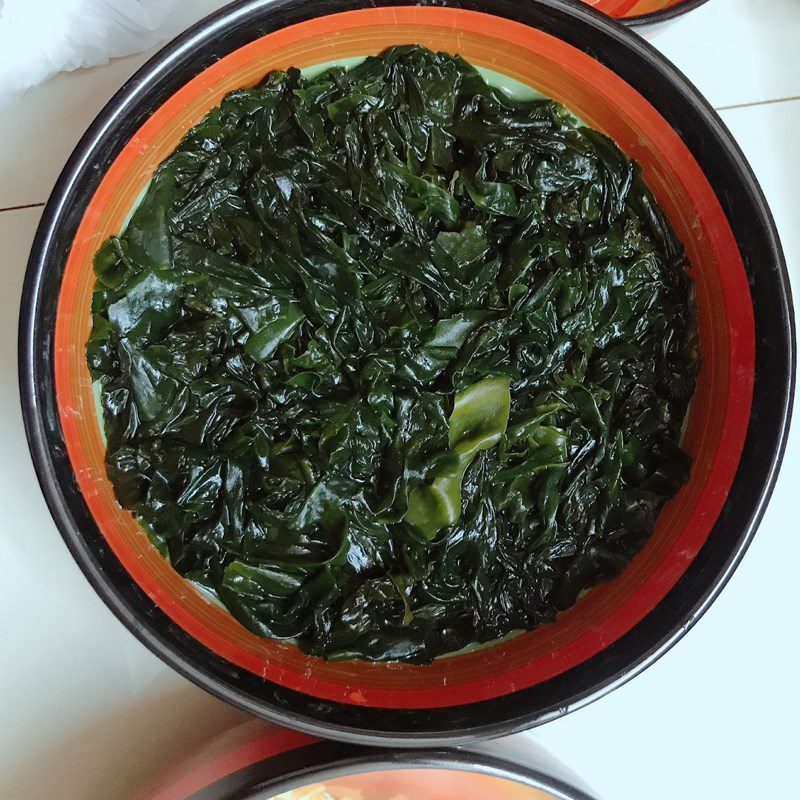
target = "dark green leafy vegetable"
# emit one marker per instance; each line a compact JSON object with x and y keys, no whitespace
{"x":392,"y":363}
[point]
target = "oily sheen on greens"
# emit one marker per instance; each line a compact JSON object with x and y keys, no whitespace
{"x":391,"y":363}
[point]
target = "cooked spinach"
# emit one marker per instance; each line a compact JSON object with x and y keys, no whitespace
{"x":392,"y":363}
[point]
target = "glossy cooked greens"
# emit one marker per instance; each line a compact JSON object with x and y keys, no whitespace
{"x":392,"y":363}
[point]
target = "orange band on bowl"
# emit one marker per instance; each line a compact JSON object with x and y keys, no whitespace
{"x":716,"y":426}
{"x":632,"y":8}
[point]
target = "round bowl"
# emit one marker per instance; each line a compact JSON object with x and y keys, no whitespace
{"x":735,"y":430}
{"x":644,"y":12}
{"x":257,"y":761}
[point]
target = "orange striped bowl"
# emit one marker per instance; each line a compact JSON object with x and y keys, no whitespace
{"x":735,"y":430}
{"x":644,"y":12}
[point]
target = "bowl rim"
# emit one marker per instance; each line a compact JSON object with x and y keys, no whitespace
{"x":36,"y":361}
{"x":666,"y":14}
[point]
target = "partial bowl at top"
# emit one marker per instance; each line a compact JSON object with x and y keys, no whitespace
{"x":735,"y":430}
{"x":644,"y":12}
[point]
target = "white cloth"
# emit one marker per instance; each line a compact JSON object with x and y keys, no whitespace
{"x":39,"y":38}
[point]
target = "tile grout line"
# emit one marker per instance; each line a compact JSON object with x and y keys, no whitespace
{"x":771,"y":102}
{"x":22,"y":207}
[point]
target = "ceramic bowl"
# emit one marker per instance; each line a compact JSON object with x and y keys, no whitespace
{"x":735,"y":431}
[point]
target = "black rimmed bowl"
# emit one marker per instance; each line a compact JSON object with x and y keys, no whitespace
{"x":735,"y":431}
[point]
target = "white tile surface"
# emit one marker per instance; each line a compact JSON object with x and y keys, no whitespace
{"x":738,"y":51}
{"x":41,"y":130}
{"x":714,"y":718}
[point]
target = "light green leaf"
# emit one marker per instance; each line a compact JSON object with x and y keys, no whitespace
{"x":478,"y":422}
